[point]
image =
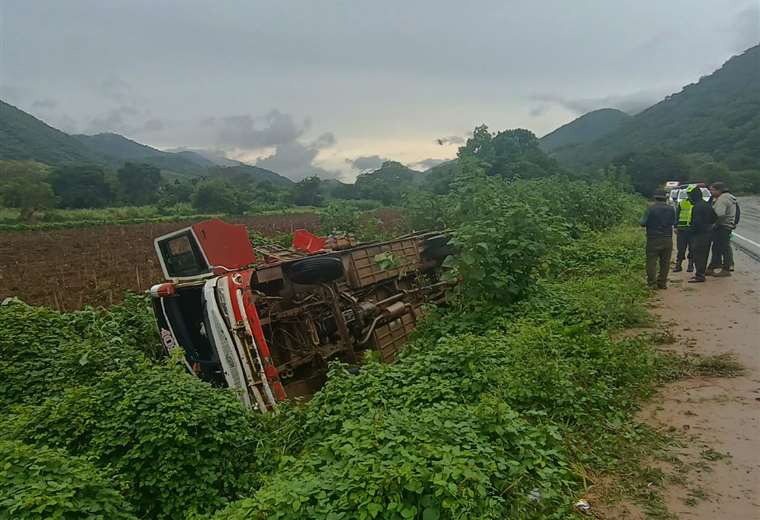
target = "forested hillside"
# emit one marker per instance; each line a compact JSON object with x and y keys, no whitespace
{"x":24,"y":137}
{"x":251,"y":174}
{"x":585,"y":129}
{"x":718,"y":116}
{"x":119,"y":149}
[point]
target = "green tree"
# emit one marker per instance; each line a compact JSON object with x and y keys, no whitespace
{"x":139,"y":183}
{"x":307,"y":192}
{"x":23,"y":185}
{"x":28,"y":197}
{"x":217,"y":196}
{"x":509,"y":154}
{"x":81,"y":186}
{"x":177,"y":192}
{"x":649,"y":170}
{"x":386,"y":184}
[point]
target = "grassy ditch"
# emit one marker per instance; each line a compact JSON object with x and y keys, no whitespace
{"x":509,"y":403}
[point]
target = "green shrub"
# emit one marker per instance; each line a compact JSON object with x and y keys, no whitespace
{"x":38,"y":483}
{"x":502,"y":241}
{"x":339,"y":217}
{"x":600,"y":303}
{"x":45,"y":351}
{"x":178,"y":444}
{"x":444,"y":461}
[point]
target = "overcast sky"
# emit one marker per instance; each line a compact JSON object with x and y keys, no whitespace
{"x":334,"y":87}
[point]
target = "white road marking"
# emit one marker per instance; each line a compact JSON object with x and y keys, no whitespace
{"x":737,"y":235}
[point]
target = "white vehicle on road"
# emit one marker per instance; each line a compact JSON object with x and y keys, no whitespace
{"x":682,"y":194}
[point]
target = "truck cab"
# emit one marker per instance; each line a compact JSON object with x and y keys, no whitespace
{"x":266,"y":321}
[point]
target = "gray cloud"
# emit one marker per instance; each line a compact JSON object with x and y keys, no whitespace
{"x":325,"y":140}
{"x":745,"y":27}
{"x":295,"y":159}
{"x":45,"y":104}
{"x":114,"y":120}
{"x":11,"y":94}
{"x":253,"y":132}
{"x":539,"y":110}
{"x":116,"y":89}
{"x":441,"y":86}
{"x":366,"y":162}
{"x":631,"y":103}
{"x":126,"y":120}
{"x":426,"y":164}
{"x":153,"y":125}
{"x":452,"y":139}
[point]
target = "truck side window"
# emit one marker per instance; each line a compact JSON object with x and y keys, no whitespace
{"x":182,"y":256}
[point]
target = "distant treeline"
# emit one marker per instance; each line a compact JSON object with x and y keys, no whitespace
{"x":511,"y":154}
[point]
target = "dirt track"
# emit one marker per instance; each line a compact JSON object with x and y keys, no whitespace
{"x":720,"y":417}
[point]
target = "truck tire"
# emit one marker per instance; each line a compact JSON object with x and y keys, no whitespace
{"x":313,"y":271}
{"x":437,"y":248}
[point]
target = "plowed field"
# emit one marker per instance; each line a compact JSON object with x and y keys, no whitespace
{"x":68,"y":268}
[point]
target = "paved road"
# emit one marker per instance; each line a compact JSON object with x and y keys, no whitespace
{"x":747,"y":234}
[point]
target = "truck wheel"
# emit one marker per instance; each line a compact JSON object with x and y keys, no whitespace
{"x":437,"y":248}
{"x":312,"y":271}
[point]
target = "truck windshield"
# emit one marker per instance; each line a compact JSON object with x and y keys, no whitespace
{"x":182,"y":256}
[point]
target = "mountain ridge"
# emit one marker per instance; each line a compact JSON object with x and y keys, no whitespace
{"x":586,"y":128}
{"x":719,"y":115}
{"x":25,"y":137}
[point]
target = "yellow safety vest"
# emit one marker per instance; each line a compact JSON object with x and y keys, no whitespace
{"x":684,"y":213}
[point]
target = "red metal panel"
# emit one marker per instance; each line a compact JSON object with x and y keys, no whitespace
{"x":225,"y":245}
{"x":307,"y":242}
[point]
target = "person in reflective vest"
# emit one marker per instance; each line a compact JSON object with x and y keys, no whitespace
{"x":683,"y":235}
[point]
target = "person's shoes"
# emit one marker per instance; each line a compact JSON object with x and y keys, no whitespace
{"x":722,"y":274}
{"x":690,"y":267}
{"x":677,"y":268}
{"x":710,"y":272}
{"x":694,"y":279}
{"x":652,"y":286}
{"x":731,"y":268}
{"x":663,"y":286}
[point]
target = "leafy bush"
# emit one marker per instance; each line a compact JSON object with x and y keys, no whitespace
{"x":339,"y":217}
{"x":44,"y":351}
{"x":179,"y":444}
{"x":38,"y":483}
{"x":217,"y":196}
{"x":598,"y":303}
{"x":502,"y":239}
{"x":446,"y":461}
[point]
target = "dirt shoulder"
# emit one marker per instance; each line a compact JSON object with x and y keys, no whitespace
{"x":719,"y":418}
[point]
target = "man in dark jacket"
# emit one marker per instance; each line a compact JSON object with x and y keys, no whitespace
{"x":659,"y":219}
{"x":701,"y":230}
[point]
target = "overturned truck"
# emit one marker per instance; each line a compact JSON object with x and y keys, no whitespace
{"x":266,"y":320}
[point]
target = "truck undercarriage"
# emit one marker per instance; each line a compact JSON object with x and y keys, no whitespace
{"x":266,"y":321}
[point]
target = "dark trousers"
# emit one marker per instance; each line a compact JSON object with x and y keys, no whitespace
{"x":721,"y":249}
{"x":683,"y":237}
{"x":700,"y":248}
{"x":658,"y":252}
